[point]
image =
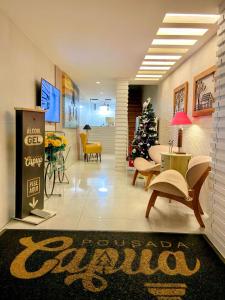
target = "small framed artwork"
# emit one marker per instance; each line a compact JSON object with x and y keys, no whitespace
{"x":203,"y":93}
{"x":180,"y":98}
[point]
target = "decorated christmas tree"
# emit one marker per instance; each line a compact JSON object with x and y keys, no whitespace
{"x":146,"y":135}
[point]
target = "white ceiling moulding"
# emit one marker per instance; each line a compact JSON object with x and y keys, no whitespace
{"x":167,"y":50}
{"x":191,"y":18}
{"x":151,"y":72}
{"x":182,"y":31}
{"x":174,"y":42}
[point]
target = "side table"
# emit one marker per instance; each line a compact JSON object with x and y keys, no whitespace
{"x":175,"y":161}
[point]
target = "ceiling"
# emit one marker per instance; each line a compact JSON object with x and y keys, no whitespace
{"x":98,"y":40}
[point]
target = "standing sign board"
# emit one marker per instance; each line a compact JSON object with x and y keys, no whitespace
{"x":30,"y":158}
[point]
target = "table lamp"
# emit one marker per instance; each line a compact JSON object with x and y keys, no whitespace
{"x":87,"y":127}
{"x":180,"y":118}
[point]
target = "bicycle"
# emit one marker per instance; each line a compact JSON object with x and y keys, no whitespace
{"x":55,"y":168}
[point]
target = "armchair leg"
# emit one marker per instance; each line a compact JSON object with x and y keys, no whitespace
{"x":135,"y":177}
{"x":197,"y":213}
{"x":100,"y":157}
{"x":151,"y":203}
{"x":200,"y":209}
{"x":148,"y":181}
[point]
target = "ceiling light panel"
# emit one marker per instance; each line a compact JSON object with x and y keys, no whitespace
{"x":168,"y":50}
{"x":149,"y":79}
{"x":159,"y":63}
{"x":148,"y":75}
{"x":191,"y":18}
{"x":154,"y":68}
{"x":182,"y":31}
{"x":169,"y":57}
{"x":175,"y":42}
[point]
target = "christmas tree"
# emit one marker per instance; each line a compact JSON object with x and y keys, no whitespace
{"x":146,"y":135}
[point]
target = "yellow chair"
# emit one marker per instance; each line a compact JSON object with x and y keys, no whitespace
{"x":89,"y":149}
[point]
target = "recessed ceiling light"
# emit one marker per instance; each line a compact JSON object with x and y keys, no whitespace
{"x":98,"y":82}
{"x":103,"y":189}
{"x":190,"y":18}
{"x":149,"y":75}
{"x":167,"y":50}
{"x":151,"y":72}
{"x":162,"y":63}
{"x":149,"y":79}
{"x":163,"y":57}
{"x":154,"y":68}
{"x":178,"y":42}
{"x":182,"y":31}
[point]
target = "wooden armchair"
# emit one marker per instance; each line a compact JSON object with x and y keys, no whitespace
{"x":149,"y":168}
{"x":171,"y":184}
{"x":90,"y":149}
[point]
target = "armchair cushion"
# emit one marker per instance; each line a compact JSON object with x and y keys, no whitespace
{"x":155,"y":152}
{"x":143,"y":165}
{"x":93,"y":148}
{"x":170,"y":182}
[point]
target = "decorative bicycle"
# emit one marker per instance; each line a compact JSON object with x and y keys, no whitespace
{"x":55,"y":163}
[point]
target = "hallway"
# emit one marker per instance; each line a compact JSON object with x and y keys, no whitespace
{"x":100,"y":198}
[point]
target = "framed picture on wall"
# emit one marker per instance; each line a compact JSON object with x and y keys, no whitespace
{"x":180,"y":98}
{"x":70,"y":100}
{"x":203,"y":93}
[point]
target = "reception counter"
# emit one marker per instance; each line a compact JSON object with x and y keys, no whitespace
{"x":106,"y":136}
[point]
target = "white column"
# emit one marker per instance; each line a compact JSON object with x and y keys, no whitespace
{"x":121,"y":123}
{"x":217,"y":218}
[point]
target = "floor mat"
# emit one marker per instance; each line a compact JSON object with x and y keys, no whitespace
{"x":46,"y":264}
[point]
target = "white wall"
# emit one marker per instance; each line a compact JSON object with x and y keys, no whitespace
{"x":88,"y":115}
{"x":22,"y":65}
{"x":106,"y":136}
{"x":196,"y":139}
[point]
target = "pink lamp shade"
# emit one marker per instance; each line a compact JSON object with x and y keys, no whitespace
{"x":181,"y":118}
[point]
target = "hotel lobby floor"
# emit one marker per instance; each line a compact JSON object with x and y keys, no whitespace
{"x":100,"y":198}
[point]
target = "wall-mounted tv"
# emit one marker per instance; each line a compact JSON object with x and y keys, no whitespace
{"x":50,"y":101}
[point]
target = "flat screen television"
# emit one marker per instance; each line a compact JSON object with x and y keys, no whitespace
{"x":50,"y":101}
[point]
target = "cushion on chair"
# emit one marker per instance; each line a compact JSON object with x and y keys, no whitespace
{"x":196,"y":168}
{"x":155,"y":152}
{"x":170,"y":182}
{"x":143,"y":165}
{"x":93,"y":148}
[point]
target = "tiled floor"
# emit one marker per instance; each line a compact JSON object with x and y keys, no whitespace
{"x":101,"y":198}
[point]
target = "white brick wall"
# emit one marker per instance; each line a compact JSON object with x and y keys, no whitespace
{"x":121,"y":123}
